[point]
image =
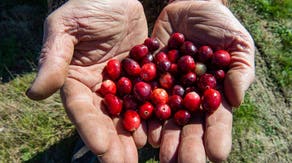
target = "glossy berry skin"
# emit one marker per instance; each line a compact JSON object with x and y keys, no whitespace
{"x":131,"y":67}
{"x":162,"y":111}
{"x":130,"y":102}
{"x":211,"y":100}
{"x":176,"y":40}
{"x":174,"y":69}
{"x":182,"y":117}
{"x":159,"y":96}
{"x":206,"y":81}
{"x":159,"y":57}
{"x":219,"y":75}
{"x":146,"y":110}
{"x":188,"y":48}
{"x":152,"y":44}
{"x":192,"y":101}
{"x":186,"y":63}
{"x":166,"y":80}
{"x":147,"y":59}
{"x":113,"y":104}
{"x":131,"y":120}
{"x":107,"y":87}
{"x":173,"y":56}
{"x":138,"y":52}
{"x":142,"y":91}
{"x":205,"y":53}
{"x":175,"y":102}
{"x":189,"y":79}
{"x":191,"y":89}
{"x":124,"y":86}
{"x":200,"y":69}
{"x":114,"y":69}
{"x":148,"y":72}
{"x":178,"y":90}
{"x":221,"y":59}
{"x":164,"y":66}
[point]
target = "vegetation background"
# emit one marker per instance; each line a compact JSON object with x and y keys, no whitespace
{"x":40,"y":131}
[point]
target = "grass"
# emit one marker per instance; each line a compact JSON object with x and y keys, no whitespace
{"x":40,"y":131}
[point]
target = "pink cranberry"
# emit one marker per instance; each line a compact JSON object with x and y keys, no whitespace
{"x":107,"y":87}
{"x":114,"y":69}
{"x":131,"y":120}
{"x":176,"y":40}
{"x":206,"y":81}
{"x":152,"y":44}
{"x":173,"y":55}
{"x":148,"y":72}
{"x":162,"y":111}
{"x":188,"y":79}
{"x":166,"y":80}
{"x":211,"y":100}
{"x":182,"y":117}
{"x":138,"y":52}
{"x":159,"y":96}
{"x":142,"y":91}
{"x":131,"y":67}
{"x":124,"y":86}
{"x":186,"y":63}
{"x":113,"y":104}
{"x":175,"y":102}
{"x":221,"y":59}
{"x":205,"y":53}
{"x":188,"y":48}
{"x":146,"y":110}
{"x":192,"y":101}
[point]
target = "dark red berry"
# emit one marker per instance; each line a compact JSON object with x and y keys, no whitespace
{"x":205,"y":53}
{"x":192,"y":101}
{"x":114,"y":69}
{"x":219,"y":75}
{"x":131,"y":120}
{"x":174,"y":69}
{"x":147,"y":59}
{"x":148,"y":72}
{"x":131,"y":67}
{"x":113,"y":104}
{"x":166,"y":80}
{"x":130,"y":102}
{"x":107,"y":87}
{"x":138,"y":52}
{"x":176,"y":40}
{"x":188,"y":48}
{"x":159,"y":57}
{"x":173,"y":56}
{"x":154,"y":84}
{"x":211,"y":100}
{"x":159,"y":96}
{"x":206,"y":81}
{"x":186,"y":63}
{"x":124,"y":86}
{"x":175,"y":102}
{"x":142,"y":91}
{"x":146,"y":110}
{"x":182,"y":117}
{"x":162,"y":111}
{"x":221,"y":59}
{"x":178,"y":90}
{"x":152,"y":44}
{"x":189,"y":79}
{"x":164,"y":66}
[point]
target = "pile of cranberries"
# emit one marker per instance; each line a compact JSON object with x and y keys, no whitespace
{"x":176,"y":82}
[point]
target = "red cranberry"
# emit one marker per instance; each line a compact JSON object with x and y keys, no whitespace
{"x":173,"y":55}
{"x":130,"y":102}
{"x":107,"y":87}
{"x":131,"y":120}
{"x":162,"y":111}
{"x":148,"y":72}
{"x":200,"y":68}
{"x":159,"y":96}
{"x":176,"y":40}
{"x":113,"y":69}
{"x":219,"y":75}
{"x":146,"y":110}
{"x":188,"y":79}
{"x":182,"y":117}
{"x":166,"y":80}
{"x":175,"y":102}
{"x":206,"y":81}
{"x":188,"y":48}
{"x":152,"y":44}
{"x":191,"y":89}
{"x":192,"y":101}
{"x":178,"y":90}
{"x":174,"y":69}
{"x":113,"y":104}
{"x":186,"y":63}
{"x":124,"y":86}
{"x":147,"y":59}
{"x":164,"y":66}
{"x":211,"y":100}
{"x":221,"y":58}
{"x":131,"y":67}
{"x":142,"y":91}
{"x":205,"y":53}
{"x":138,"y":52}
{"x":159,"y":57}
{"x":154,"y":84}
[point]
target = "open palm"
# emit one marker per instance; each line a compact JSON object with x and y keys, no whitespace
{"x":205,"y":23}
{"x":79,"y":38}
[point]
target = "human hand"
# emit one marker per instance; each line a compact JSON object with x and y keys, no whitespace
{"x":205,"y":23}
{"x":79,"y":38}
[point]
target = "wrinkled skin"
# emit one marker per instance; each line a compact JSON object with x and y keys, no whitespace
{"x":205,"y":23}
{"x":79,"y":38}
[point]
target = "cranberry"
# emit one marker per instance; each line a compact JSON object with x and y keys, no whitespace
{"x":175,"y":102}
{"x":164,"y":66}
{"x":188,"y":48}
{"x":200,"y":68}
{"x":211,"y":100}
{"x":159,"y":96}
{"x":148,"y":72}
{"x":113,"y":69}
{"x":221,"y":59}
{"x":174,"y":69}
{"x":173,"y":55}
{"x":113,"y":104}
{"x":176,"y":40}
{"x":138,"y":52}
{"x":154,"y":84}
{"x":131,"y":67}
{"x":131,"y":120}
{"x":219,"y":75}
{"x":205,"y":53}
{"x":186,"y":63}
{"x":152,"y":44}
{"x":147,"y":59}
{"x":191,"y":89}
{"x":159,"y":57}
{"x":182,"y":117}
{"x":188,"y":79}
{"x":178,"y":90}
{"x":206,"y":81}
{"x":142,"y":91}
{"x":146,"y":110}
{"x":124,"y":86}
{"x":130,"y":102}
{"x":166,"y":80}
{"x":107,"y":87}
{"x":192,"y":101}
{"x":162,"y":111}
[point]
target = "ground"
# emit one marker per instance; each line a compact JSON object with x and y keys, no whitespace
{"x":40,"y":131}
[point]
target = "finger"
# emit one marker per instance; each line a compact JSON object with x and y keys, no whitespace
{"x":218,"y":133}
{"x":115,"y":152}
{"x":191,"y":148}
{"x":154,"y":132}
{"x":92,"y":125}
{"x":140,"y":135}
{"x":169,"y":142}
{"x":54,"y":59}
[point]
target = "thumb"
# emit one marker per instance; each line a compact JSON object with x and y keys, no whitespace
{"x":56,"y":54}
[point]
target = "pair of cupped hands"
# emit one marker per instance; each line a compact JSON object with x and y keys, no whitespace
{"x":82,"y":35}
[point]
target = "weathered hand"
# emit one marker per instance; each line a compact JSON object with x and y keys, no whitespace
{"x":205,"y":23}
{"x":79,"y":38}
